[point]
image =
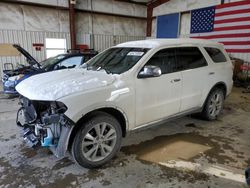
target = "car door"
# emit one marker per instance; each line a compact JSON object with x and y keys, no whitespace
{"x":71,"y":62}
{"x":194,"y":70}
{"x":159,"y":97}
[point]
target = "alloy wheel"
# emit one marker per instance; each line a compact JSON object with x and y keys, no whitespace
{"x":216,"y":103}
{"x":99,"y":142}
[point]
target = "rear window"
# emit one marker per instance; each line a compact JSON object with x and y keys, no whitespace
{"x":189,"y":58}
{"x":216,"y":55}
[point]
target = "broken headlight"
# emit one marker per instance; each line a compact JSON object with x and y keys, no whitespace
{"x":58,"y":107}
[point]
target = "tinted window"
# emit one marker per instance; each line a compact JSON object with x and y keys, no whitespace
{"x":165,"y":59}
{"x":189,"y":58}
{"x":71,"y":62}
{"x":216,"y":55}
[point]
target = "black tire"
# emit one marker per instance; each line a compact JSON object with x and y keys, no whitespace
{"x":206,"y":113}
{"x":77,"y":149}
{"x":247,"y":174}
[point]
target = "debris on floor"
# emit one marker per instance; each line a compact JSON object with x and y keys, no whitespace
{"x":187,"y":152}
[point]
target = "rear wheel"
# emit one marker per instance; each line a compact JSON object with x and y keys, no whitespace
{"x":214,"y":104}
{"x":98,"y":141}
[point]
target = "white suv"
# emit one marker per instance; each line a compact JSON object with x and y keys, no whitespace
{"x":88,"y":110}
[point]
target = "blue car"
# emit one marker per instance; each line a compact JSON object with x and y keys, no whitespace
{"x":63,"y":61}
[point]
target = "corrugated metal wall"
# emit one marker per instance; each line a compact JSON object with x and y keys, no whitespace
{"x":102,"y":42}
{"x":27,"y":38}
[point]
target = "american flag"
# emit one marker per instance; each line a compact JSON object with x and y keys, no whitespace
{"x":227,"y":23}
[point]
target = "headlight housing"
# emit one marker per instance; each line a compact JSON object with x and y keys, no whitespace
{"x":9,"y":83}
{"x":15,"y":78}
{"x":58,"y":107}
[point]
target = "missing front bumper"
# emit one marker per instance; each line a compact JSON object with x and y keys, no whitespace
{"x":52,"y":132}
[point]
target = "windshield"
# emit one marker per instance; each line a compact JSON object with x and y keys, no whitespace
{"x":116,"y":60}
{"x":46,"y":64}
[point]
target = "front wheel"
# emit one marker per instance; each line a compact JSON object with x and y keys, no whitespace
{"x":214,"y":105}
{"x":98,"y":141}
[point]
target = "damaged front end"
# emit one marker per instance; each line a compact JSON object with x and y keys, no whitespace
{"x":44,"y":124}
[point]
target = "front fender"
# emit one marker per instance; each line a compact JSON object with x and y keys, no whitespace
{"x":77,"y":116}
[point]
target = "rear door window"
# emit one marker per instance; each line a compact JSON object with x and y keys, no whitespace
{"x":189,"y":58}
{"x":216,"y":55}
{"x":165,"y":59}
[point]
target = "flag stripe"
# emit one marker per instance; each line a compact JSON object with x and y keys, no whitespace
{"x":232,"y":39}
{"x":232,"y":20}
{"x":240,"y":7}
{"x":246,"y":31}
{"x":231,"y":24}
{"x":228,"y":24}
{"x":237,"y":47}
{"x":232,"y":12}
{"x":243,"y":15}
{"x":223,"y":36}
{"x":238,"y":50}
{"x":232,"y":28}
{"x":236,"y":43}
{"x":246,"y":2}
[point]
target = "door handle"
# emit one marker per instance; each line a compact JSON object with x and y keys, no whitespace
{"x":211,"y":73}
{"x":175,"y":80}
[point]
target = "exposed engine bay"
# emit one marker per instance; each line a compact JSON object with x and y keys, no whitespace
{"x":20,"y":70}
{"x":44,"y":124}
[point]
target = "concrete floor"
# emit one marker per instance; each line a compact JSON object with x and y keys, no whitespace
{"x":183,"y":153}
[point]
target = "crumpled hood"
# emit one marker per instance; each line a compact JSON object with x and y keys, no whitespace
{"x":57,"y":84}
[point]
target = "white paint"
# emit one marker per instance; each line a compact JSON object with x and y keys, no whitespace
{"x":211,"y":170}
{"x":154,"y":43}
{"x":117,"y":93}
{"x":157,"y":98}
{"x":142,"y":101}
{"x":54,"y":85}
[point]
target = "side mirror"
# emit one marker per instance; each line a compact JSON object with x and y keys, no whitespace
{"x":57,"y":67}
{"x":84,"y":65}
{"x":150,"y":71}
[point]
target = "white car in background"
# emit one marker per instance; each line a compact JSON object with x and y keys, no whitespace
{"x":88,"y":110}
